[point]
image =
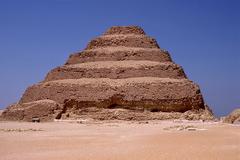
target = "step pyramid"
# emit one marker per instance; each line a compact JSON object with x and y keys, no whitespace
{"x":122,"y":74}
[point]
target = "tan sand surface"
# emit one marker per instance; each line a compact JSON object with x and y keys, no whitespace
{"x":119,"y":141}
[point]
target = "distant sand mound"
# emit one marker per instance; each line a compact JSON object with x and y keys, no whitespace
{"x":233,"y":117}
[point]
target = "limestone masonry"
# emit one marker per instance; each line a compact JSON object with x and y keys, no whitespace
{"x":123,"y":74}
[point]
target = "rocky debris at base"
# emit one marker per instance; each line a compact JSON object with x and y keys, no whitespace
{"x":233,"y":117}
{"x":20,"y":130}
{"x":181,"y":128}
{"x":44,"y":110}
{"x":134,"y":115}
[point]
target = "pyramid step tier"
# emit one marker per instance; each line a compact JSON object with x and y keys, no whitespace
{"x":119,"y":54}
{"x":161,"y":94}
{"x":128,"y":40}
{"x":117,"y":70}
{"x":125,"y":30}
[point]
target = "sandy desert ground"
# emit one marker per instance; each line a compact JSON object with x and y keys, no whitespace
{"x":119,"y":140}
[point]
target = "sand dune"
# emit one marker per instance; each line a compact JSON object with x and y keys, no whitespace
{"x":119,"y":141}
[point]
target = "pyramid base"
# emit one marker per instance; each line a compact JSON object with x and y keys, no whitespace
{"x":48,"y":110}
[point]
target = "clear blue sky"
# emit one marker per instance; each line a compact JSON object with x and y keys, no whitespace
{"x":202,"y":35}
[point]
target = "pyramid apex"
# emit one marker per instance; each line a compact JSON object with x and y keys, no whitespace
{"x":125,"y":30}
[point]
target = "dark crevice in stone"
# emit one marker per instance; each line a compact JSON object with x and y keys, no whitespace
{"x":154,"y":110}
{"x":114,"y":106}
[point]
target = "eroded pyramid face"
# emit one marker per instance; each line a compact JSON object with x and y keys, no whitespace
{"x":123,"y":68}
